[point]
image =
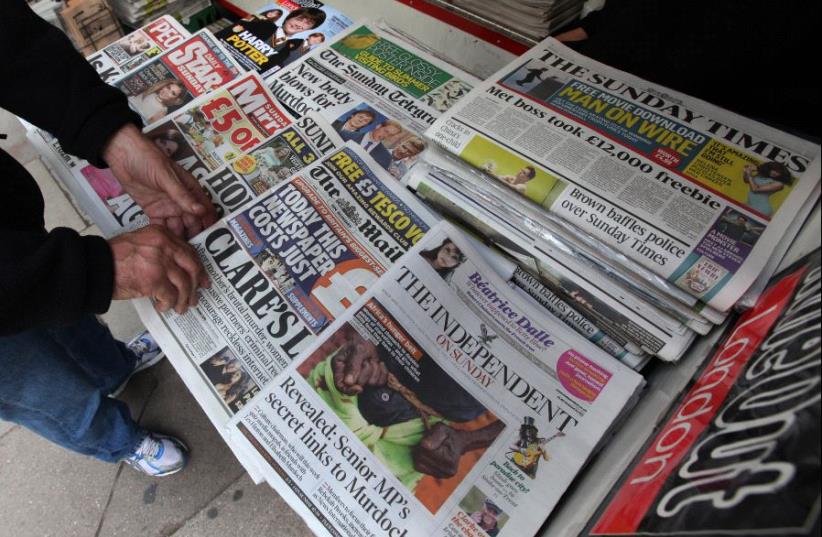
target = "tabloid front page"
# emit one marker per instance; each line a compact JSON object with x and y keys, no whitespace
{"x":375,"y":89}
{"x":440,"y":404}
{"x":692,"y":192}
{"x":220,"y":127}
{"x":138,"y":47}
{"x":282,"y":268}
{"x":190,"y":69}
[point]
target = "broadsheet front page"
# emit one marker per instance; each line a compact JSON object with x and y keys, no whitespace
{"x":376,"y":90}
{"x":282,"y":268}
{"x":692,"y":192}
{"x":440,"y":404}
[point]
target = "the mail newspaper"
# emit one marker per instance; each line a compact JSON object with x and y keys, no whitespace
{"x":281,"y":33}
{"x":695,"y":193}
{"x":376,"y":90}
{"x":192,"y":68}
{"x":221,"y":126}
{"x":145,"y":43}
{"x":282,"y":268}
{"x":439,"y":404}
{"x":623,"y":316}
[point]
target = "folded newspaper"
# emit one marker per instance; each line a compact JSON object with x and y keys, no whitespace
{"x":695,"y":194}
{"x":375,"y":89}
{"x":621,"y":314}
{"x":438,"y":404}
{"x":282,"y":268}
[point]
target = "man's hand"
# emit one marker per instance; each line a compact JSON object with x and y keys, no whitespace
{"x":154,"y":263}
{"x":438,"y":453}
{"x":357,"y":365}
{"x":168,"y":194}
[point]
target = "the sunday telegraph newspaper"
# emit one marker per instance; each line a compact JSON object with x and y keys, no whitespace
{"x":281,"y":33}
{"x":630,"y":321}
{"x":136,"y":48}
{"x":440,"y":404}
{"x":375,"y":89}
{"x":190,"y":69}
{"x":282,"y":268}
{"x":739,"y":452}
{"x":692,"y":192}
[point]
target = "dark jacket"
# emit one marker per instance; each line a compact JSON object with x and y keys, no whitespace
{"x":56,"y":276}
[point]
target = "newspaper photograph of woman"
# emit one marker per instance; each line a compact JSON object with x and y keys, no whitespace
{"x":763,"y":181}
{"x":226,"y":374}
{"x":444,"y":259}
{"x":418,"y":422}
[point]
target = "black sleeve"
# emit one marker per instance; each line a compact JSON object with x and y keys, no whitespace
{"x":48,"y":83}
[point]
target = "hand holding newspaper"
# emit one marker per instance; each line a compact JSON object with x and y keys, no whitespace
{"x":440,"y":403}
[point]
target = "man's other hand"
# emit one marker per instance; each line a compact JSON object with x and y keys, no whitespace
{"x":154,"y":263}
{"x":169,"y":195}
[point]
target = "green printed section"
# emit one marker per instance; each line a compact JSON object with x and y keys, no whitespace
{"x":518,"y":174}
{"x":385,"y":59}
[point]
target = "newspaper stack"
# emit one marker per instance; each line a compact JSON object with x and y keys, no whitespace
{"x":528,"y":20}
{"x":139,"y":12}
{"x":651,"y":212}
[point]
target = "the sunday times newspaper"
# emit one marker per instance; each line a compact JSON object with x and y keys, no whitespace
{"x":374,"y":89}
{"x":281,"y":33}
{"x":695,"y":193}
{"x":439,"y":404}
{"x":136,"y":48}
{"x":282,"y":268}
{"x":190,"y":69}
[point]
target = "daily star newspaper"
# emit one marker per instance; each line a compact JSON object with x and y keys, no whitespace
{"x":439,"y":404}
{"x":282,"y":268}
{"x":190,"y":69}
{"x":692,"y":192}
{"x":281,"y":33}
{"x":739,"y":453}
{"x":375,"y":89}
{"x":138,"y":47}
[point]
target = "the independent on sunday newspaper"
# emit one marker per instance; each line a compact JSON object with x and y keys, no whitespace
{"x":282,"y":268}
{"x":439,"y":404}
{"x":695,"y":193}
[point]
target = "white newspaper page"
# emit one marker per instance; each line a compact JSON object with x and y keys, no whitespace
{"x":375,"y":90}
{"x":695,"y":193}
{"x":440,"y":404}
{"x":627,"y":319}
{"x":138,"y":47}
{"x":190,"y":69}
{"x":282,"y":268}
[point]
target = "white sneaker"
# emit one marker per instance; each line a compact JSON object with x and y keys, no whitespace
{"x":159,"y":455}
{"x":148,"y":353}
